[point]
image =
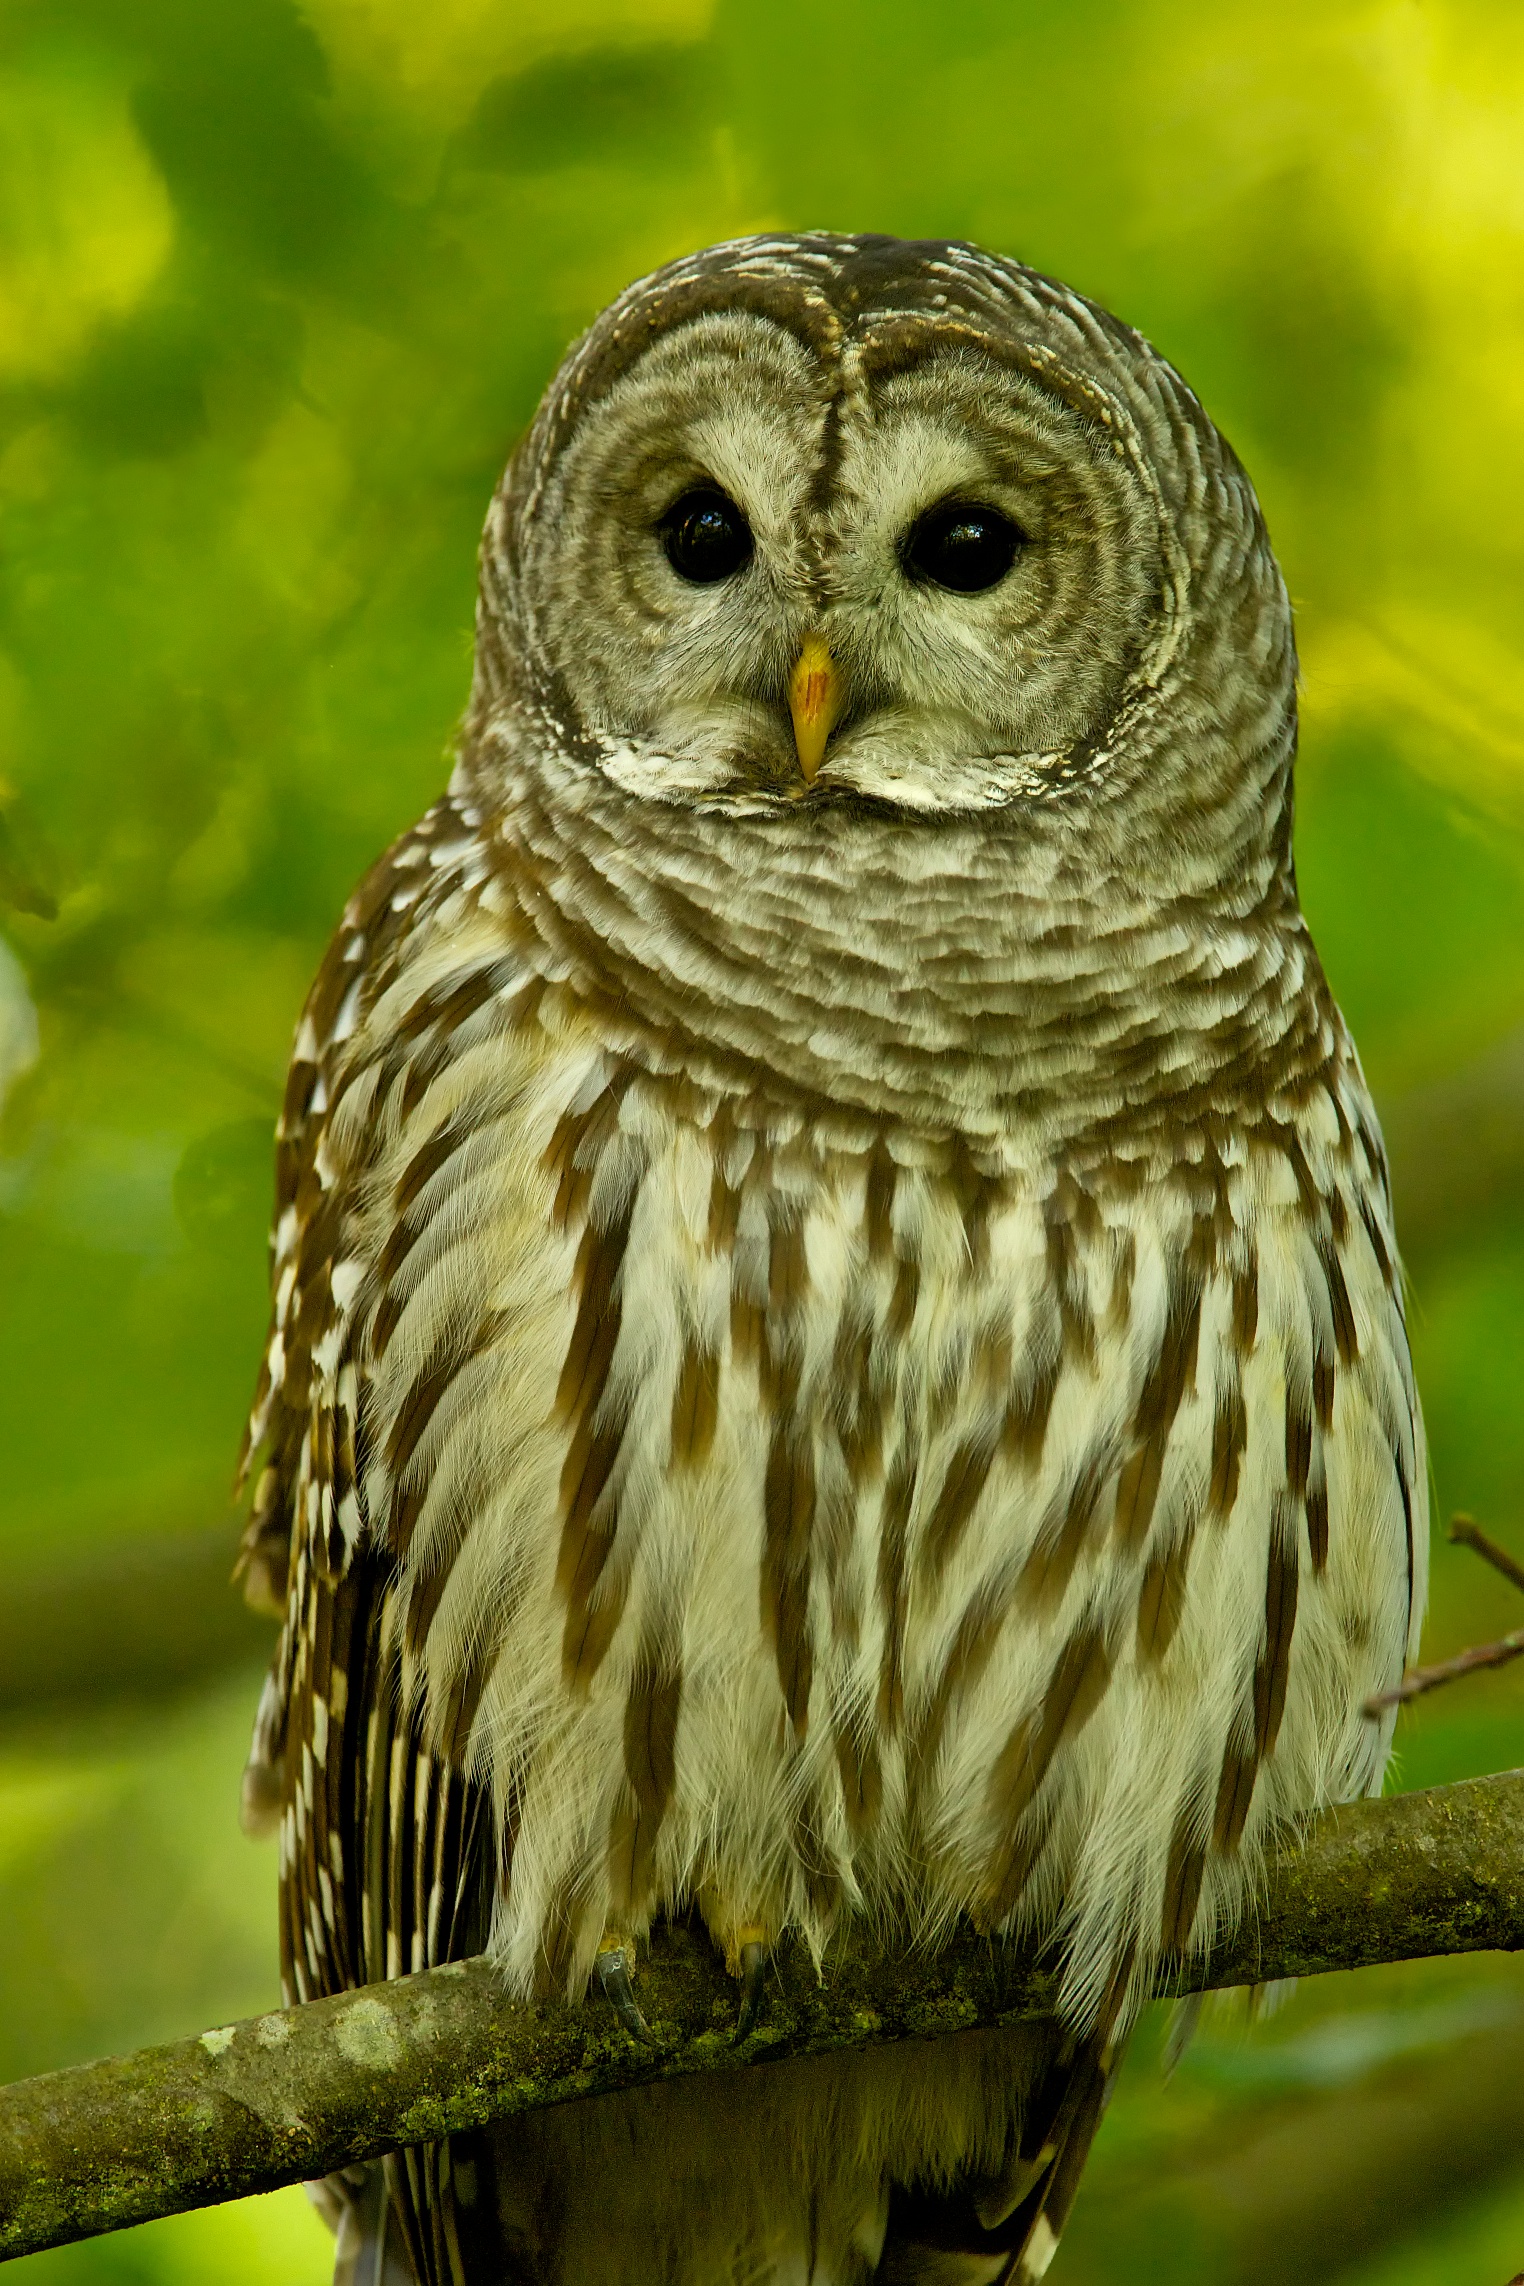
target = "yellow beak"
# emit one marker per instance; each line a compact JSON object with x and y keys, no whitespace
{"x":814,"y":700}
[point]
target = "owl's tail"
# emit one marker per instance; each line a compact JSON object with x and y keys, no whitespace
{"x":405,"y":2220}
{"x":1003,"y":2229}
{"x":358,"y":2210}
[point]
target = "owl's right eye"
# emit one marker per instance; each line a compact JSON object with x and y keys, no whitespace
{"x":706,"y":537}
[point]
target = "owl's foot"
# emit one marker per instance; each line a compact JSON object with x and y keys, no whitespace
{"x":616,"y":1957}
{"x":745,"y":1939}
{"x":751,"y":1962}
{"x":753,"y":1970}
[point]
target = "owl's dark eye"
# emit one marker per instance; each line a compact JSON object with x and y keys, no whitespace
{"x":961,"y":545}
{"x":706,"y":537}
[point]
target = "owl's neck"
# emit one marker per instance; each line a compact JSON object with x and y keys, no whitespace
{"x":1021,"y":982}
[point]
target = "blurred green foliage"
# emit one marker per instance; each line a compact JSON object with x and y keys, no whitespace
{"x":279,"y":287}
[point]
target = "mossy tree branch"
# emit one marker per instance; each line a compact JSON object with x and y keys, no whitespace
{"x":303,"y":2091}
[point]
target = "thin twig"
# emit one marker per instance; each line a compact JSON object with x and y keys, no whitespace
{"x":1424,"y":1679}
{"x":1467,"y":1534}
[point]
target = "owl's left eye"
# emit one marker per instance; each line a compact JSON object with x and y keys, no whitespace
{"x":706,"y":537}
{"x":963,"y":545}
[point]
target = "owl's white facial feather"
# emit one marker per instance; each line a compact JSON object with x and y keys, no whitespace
{"x":951,"y":700}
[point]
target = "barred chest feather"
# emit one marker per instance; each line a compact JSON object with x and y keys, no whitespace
{"x":806,"y":1511}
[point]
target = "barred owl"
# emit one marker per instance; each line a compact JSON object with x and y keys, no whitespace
{"x":838,"y":1350}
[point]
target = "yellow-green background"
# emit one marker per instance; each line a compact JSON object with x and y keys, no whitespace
{"x":279,"y":286}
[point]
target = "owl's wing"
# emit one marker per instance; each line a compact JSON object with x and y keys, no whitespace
{"x":386,"y":1853}
{"x":386,"y":1867}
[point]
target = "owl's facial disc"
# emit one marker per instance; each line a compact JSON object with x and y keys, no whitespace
{"x":767,"y":579}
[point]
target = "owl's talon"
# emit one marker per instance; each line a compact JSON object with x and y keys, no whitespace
{"x":753,"y":1970}
{"x":614,"y":1976}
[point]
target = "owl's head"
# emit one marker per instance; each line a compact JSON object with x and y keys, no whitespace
{"x":817,"y":521}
